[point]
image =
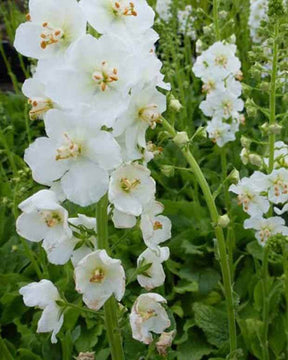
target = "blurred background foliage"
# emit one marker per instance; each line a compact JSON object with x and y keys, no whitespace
{"x":193,"y":287}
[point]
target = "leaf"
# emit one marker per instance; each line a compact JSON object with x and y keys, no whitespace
{"x":213,"y":322}
{"x":184,"y":286}
{"x":88,"y":338}
{"x":194,"y":349}
{"x":255,"y":250}
{"x":25,"y":354}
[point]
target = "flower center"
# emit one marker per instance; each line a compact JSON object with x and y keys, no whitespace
{"x":147,"y":314}
{"x":124,"y":8}
{"x":50,"y":35}
{"x":245,"y":199}
{"x":97,"y":276}
{"x":128,"y":185}
{"x":227,"y":107}
{"x":68,"y":150}
{"x":280,"y":187}
{"x":157,"y":226}
{"x":150,"y":114}
{"x":105,"y":76}
{"x":208,"y":87}
{"x":221,"y":60}
{"x":51,"y":218}
{"x":265,"y":234}
{"x":39,"y":107}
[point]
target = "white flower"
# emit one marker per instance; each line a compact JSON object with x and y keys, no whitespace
{"x":266,"y":227}
{"x":155,"y":228}
{"x":43,"y":218}
{"x":164,"y":342}
{"x":110,"y":16}
{"x":278,"y":186}
{"x":222,"y":104}
{"x":98,"y":73}
{"x":40,"y":103}
{"x":51,"y":28}
{"x":258,"y":12}
{"x":44,"y":295}
{"x":147,"y":316}
{"x":249,"y":194}
{"x":154,"y":276}
{"x":163,"y":9}
{"x":98,"y":277}
{"x":131,"y":188}
{"x":186,"y":20}
{"x":76,"y":152}
{"x":122,"y":220}
{"x":220,"y":133}
{"x":280,"y":155}
{"x":220,"y":59}
{"x":145,"y":109}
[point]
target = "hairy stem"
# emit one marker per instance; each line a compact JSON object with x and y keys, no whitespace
{"x":110,"y":307}
{"x":218,"y":232}
{"x":216,"y":20}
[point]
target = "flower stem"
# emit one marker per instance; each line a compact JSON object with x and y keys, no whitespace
{"x":265,"y":314}
{"x":110,"y":307}
{"x":216,"y":20}
{"x":218,"y":232}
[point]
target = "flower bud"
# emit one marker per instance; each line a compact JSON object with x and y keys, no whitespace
{"x":223,"y":221}
{"x":181,"y":138}
{"x":175,"y":104}
{"x":255,"y":160}
{"x":199,"y":46}
{"x":201,"y":133}
{"x":234,"y":176}
{"x":86,"y":356}
{"x":251,"y":108}
{"x":168,"y":170}
{"x":274,"y":129}
{"x":245,"y":142}
{"x":164,"y":342}
{"x":244,"y":155}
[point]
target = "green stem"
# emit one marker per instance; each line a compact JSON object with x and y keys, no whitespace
{"x":216,"y":20}
{"x":265,"y":310}
{"x":219,"y":235}
{"x":285,"y":264}
{"x":110,"y":307}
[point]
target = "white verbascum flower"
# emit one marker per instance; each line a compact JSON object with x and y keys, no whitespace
{"x":155,"y":228}
{"x":185,"y":20}
{"x":265,"y":228}
{"x":155,"y":275}
{"x":97,"y":72}
{"x":280,"y":155}
{"x":249,"y":194}
{"x":145,"y":109}
{"x":163,"y":9}
{"x":165,"y":341}
{"x":278,"y":186}
{"x":258,"y":12}
{"x":147,"y":316}
{"x":220,"y":59}
{"x":44,"y":295}
{"x":131,"y":188}
{"x":116,"y":16}
{"x":43,"y":218}
{"x":98,"y":277}
{"x":122,"y":220}
{"x":51,"y":28}
{"x":80,"y":155}
{"x":220,"y":132}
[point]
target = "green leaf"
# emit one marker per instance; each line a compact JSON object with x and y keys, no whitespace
{"x":194,"y":349}
{"x":184,"y":286}
{"x":213,"y":322}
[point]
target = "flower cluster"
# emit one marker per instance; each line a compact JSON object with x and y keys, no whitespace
{"x":185,"y":20}
{"x":97,"y":97}
{"x":262,"y":192}
{"x":258,"y":12}
{"x":163,"y":8}
{"x":220,"y":71}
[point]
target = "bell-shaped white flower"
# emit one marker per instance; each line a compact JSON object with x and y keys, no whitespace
{"x":116,"y":16}
{"x":60,"y":251}
{"x":98,"y":72}
{"x":77,"y":152}
{"x":265,"y":228}
{"x":220,"y":59}
{"x":145,"y":109}
{"x":122,"y":220}
{"x":155,"y":228}
{"x":147,"y":316}
{"x":98,"y":277}
{"x":43,"y":218}
{"x":44,"y":295}
{"x":278,"y":186}
{"x":51,"y":28}
{"x":155,"y":275}
{"x":249,"y":194}
{"x":131,"y":188}
{"x":220,"y":132}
